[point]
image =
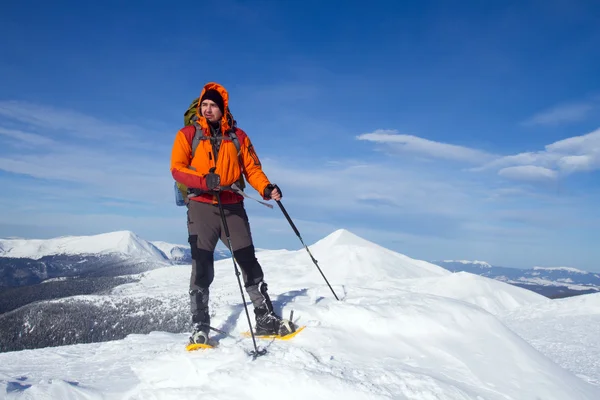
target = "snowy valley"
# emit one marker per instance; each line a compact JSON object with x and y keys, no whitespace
{"x":403,"y":328}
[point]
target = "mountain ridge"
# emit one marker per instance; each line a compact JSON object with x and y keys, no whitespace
{"x":125,"y":243}
{"x":553,"y":282}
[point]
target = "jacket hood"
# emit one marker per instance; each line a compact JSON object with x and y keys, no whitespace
{"x":227,"y":121}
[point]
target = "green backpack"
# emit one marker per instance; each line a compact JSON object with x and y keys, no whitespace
{"x":189,"y":118}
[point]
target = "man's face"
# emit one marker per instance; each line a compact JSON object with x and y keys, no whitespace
{"x":210,"y":111}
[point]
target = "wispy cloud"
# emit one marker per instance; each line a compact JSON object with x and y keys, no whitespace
{"x":374,"y":188}
{"x":97,"y":164}
{"x":25,"y":137}
{"x":528,"y":173}
{"x":425,"y":147}
{"x":579,"y":153}
{"x":63,"y":123}
{"x":562,"y":114}
{"x":574,"y":154}
{"x":424,"y":209}
{"x":541,"y":158}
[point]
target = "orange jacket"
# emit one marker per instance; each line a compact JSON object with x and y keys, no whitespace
{"x":227,"y":164}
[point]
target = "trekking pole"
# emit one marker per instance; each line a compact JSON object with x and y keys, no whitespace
{"x":287,"y":216}
{"x":256,"y":352}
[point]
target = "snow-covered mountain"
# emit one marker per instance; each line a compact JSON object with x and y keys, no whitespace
{"x":479,"y":264}
{"x":181,"y":254}
{"x":389,"y":336}
{"x":30,"y":261}
{"x":122,"y":243}
{"x":175,"y":252}
{"x":550,"y":281}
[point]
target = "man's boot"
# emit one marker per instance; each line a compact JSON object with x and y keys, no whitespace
{"x":267,"y":321}
{"x":200,"y":315}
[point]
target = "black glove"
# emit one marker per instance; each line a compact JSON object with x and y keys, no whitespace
{"x":269,"y":189}
{"x":212,"y":181}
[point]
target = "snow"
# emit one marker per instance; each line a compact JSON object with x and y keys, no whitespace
{"x":347,"y":257}
{"x":403,"y":329}
{"x":474,"y":262}
{"x":566,"y":269}
{"x":124,"y":243}
{"x":171,"y":251}
{"x":566,"y":330}
{"x":492,"y":295}
{"x":558,"y":282}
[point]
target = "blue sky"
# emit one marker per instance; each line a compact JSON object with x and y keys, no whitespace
{"x":463,"y":131}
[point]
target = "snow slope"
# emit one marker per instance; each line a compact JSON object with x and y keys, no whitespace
{"x":566,"y":330}
{"x":123,"y":243}
{"x":493,"y":296}
{"x":383,"y":340}
{"x":173,"y":252}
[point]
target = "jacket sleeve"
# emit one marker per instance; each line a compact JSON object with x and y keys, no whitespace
{"x":181,"y":157}
{"x":253,"y":168}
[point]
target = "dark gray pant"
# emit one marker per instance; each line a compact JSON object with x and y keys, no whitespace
{"x":205,"y":229}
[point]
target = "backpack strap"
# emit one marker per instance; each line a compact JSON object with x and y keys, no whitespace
{"x":199,"y":135}
{"x":195,"y":141}
{"x":236,"y":142}
{"x":197,"y":138}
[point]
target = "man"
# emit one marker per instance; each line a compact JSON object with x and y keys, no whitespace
{"x":209,"y":173}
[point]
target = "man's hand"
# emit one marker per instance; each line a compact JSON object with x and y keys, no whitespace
{"x":273,"y":192}
{"x":213,"y":181}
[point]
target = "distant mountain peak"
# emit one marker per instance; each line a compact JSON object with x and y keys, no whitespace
{"x":119,"y":242}
{"x":343,"y":237}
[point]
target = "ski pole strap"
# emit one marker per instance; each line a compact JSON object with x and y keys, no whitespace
{"x":198,"y":192}
{"x":231,"y":188}
{"x":236,"y":189}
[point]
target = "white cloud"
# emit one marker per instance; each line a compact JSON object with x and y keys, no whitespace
{"x":578,"y":144}
{"x":25,"y":137}
{"x":579,"y":153}
{"x":561,"y":114}
{"x":109,"y":170}
{"x":375,"y":188}
{"x":528,"y":173}
{"x":68,"y":123}
{"x":574,"y":154}
{"x":98,"y":173}
{"x":541,"y":158}
{"x":578,"y":163}
{"x":417,"y":145}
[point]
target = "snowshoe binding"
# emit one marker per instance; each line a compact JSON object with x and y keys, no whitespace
{"x":269,"y":323}
{"x":199,"y":339}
